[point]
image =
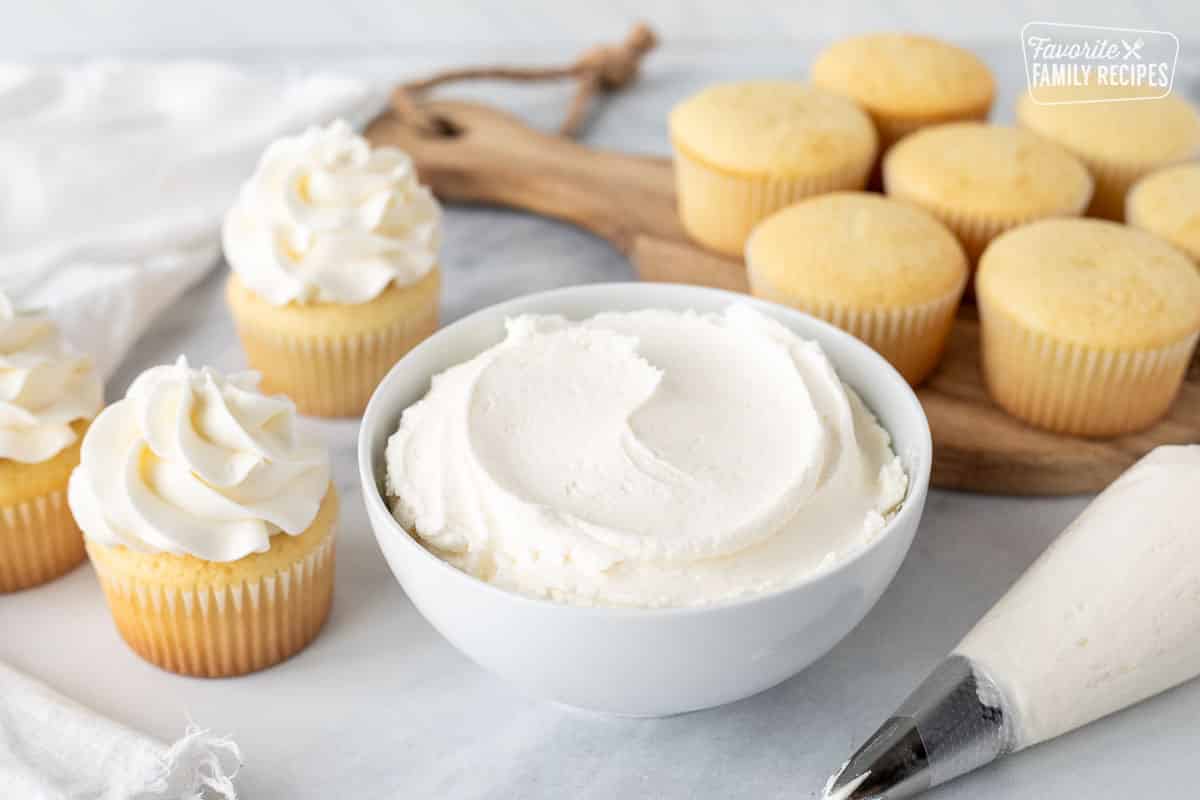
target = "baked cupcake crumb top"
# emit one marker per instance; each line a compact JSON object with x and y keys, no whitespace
{"x":990,"y":169}
{"x":777,"y":127}
{"x":901,"y":74}
{"x":1149,"y":132}
{"x":1167,"y":204}
{"x":166,"y":568}
{"x":1092,"y":282}
{"x":859,"y":250}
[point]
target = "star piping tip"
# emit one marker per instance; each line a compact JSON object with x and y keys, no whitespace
{"x":844,"y":786}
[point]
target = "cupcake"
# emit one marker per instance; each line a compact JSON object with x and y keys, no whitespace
{"x":983,"y":179}
{"x":884,"y":271}
{"x":745,"y":150}
{"x":1088,"y":326}
{"x":1167,"y":204}
{"x":1118,"y":141}
{"x":333,"y":247}
{"x":210,"y":521}
{"x":48,"y":394}
{"x":906,"y":82}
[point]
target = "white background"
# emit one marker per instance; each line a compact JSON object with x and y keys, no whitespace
{"x":380,"y":706}
{"x":58,"y":28}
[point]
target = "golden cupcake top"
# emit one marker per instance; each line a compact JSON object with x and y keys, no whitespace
{"x":1092,"y":282}
{"x":1167,"y":204}
{"x":173,"y":569}
{"x":777,"y":127}
{"x":856,"y":249}
{"x":21,"y":482}
{"x":902,"y":74}
{"x":990,"y":169}
{"x":1109,"y":128}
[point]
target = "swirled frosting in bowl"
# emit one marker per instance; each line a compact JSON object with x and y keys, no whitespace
{"x":328,"y":218}
{"x":193,"y":462}
{"x":44,"y":387}
{"x":650,"y":459}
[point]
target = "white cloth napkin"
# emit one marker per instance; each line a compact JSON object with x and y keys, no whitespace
{"x":114,"y":177}
{"x":52,"y":748}
{"x":113,"y":180}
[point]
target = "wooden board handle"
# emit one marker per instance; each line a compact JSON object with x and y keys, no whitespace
{"x":491,"y":157}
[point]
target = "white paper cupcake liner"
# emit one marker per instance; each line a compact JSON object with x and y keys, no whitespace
{"x":1076,"y":389}
{"x":218,"y":629}
{"x":39,"y":541}
{"x":912,"y":338}
{"x":719,"y":209}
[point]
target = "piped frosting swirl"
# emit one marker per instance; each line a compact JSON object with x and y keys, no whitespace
{"x":44,"y":387}
{"x":328,"y":218}
{"x":195,"y":462}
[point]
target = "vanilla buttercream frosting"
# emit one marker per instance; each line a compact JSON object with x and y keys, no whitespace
{"x":193,"y":462}
{"x":44,"y":387}
{"x":328,"y":218}
{"x":1110,"y":613}
{"x":650,"y":458}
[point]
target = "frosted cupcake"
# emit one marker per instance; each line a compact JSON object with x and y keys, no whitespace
{"x":981,"y":180}
{"x":906,"y":82}
{"x":210,"y":521}
{"x":745,"y":150}
{"x":1119,"y":141}
{"x":1167,"y":204}
{"x":48,"y":394}
{"x":887,"y":272}
{"x":1088,"y":326}
{"x":333,"y":247}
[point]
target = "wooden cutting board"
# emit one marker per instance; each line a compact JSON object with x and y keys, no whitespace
{"x":483,"y":155}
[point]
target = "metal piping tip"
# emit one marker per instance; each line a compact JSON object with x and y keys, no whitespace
{"x":844,"y":788}
{"x":892,"y":764}
{"x":953,"y":723}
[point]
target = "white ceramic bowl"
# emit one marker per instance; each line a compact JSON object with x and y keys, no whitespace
{"x":643,"y":662}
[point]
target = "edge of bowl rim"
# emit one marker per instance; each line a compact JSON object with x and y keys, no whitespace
{"x":373,"y":495}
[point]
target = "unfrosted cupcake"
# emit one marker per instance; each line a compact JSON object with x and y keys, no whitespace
{"x":1119,"y":140}
{"x":334,"y":250}
{"x":745,"y":150}
{"x":887,"y":272}
{"x":981,"y":180}
{"x":48,"y":394}
{"x":906,"y":82}
{"x":1088,"y":326}
{"x":210,"y":521}
{"x":1167,"y":204}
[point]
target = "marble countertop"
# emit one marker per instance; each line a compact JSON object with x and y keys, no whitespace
{"x":381,"y":706}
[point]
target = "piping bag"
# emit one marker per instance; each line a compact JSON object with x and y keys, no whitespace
{"x":1108,"y":616}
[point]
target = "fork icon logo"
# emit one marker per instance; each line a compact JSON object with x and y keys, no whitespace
{"x":1134,"y":49}
{"x":1070,"y":63}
